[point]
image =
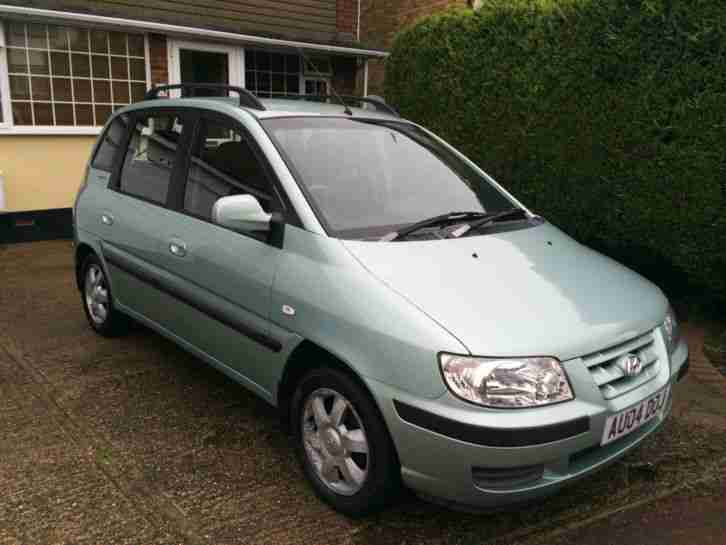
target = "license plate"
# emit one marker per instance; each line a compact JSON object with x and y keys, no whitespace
{"x":629,"y":420}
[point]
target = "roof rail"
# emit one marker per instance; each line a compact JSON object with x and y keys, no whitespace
{"x":376,"y":101}
{"x":246,"y":98}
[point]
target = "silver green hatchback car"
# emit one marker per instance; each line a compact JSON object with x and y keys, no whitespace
{"x":415,"y":324}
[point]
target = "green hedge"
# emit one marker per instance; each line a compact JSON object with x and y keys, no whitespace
{"x":608,"y":117}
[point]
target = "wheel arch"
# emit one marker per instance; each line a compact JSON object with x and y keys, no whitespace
{"x":305,"y":356}
{"x":83,"y":250}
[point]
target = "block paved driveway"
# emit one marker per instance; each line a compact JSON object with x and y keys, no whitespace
{"x":134,"y":441}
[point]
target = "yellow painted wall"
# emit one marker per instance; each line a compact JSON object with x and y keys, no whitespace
{"x":42,"y":172}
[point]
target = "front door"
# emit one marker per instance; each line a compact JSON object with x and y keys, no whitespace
{"x":225,"y":277}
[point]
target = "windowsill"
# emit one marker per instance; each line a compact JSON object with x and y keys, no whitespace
{"x":39,"y":131}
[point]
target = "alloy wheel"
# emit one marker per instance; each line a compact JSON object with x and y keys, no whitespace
{"x":96,"y":294}
{"x":335,"y":441}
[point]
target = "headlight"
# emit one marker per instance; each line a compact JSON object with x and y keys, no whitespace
{"x":504,"y":382}
{"x":671,"y":331}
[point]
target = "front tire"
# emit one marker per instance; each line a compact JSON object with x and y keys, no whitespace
{"x":98,"y":300}
{"x":343,"y":444}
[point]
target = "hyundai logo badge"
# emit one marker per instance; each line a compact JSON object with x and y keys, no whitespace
{"x":630,"y":364}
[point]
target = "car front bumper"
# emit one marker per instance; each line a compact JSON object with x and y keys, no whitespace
{"x":469,"y":456}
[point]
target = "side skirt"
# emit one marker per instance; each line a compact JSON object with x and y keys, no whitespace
{"x":231,"y":373}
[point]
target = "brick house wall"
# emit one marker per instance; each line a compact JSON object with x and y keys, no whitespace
{"x":158,"y":60}
{"x":309,"y":20}
{"x":346,"y":20}
{"x":381,"y":19}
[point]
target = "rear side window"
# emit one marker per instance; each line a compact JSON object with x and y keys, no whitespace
{"x":151,"y":156}
{"x":223,"y":164}
{"x":111,"y":143}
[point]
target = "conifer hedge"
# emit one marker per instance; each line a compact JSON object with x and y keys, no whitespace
{"x":606,"y":117}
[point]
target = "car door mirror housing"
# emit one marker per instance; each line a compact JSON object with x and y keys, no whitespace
{"x":241,"y":213}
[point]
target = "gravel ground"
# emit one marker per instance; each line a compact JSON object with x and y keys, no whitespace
{"x":134,"y":441}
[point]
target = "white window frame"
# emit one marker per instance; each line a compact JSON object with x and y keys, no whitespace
{"x":304,"y":79}
{"x":8,"y":127}
{"x":312,"y":75}
{"x":236,"y":69}
{"x":301,"y":82}
{"x":235,"y":56}
{"x":7,"y":119}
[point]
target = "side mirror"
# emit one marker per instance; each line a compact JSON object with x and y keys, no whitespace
{"x":244,"y":213}
{"x":240,"y":213}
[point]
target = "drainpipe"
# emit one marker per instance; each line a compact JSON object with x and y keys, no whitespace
{"x":365,"y":77}
{"x":365,"y":59}
{"x":357,"y":29}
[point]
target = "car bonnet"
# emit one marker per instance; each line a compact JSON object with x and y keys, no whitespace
{"x":527,"y":292}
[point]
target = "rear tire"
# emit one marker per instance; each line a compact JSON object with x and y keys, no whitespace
{"x":98,"y":302}
{"x":343,"y":444}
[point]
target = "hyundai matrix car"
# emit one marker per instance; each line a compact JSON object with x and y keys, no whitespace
{"x":413,"y":322}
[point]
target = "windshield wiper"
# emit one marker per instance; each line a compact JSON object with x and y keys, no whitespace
{"x":443,"y":219}
{"x":487,"y":219}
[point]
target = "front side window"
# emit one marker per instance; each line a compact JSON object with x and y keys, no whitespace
{"x":223,"y":164}
{"x":367,"y":178}
{"x":67,"y":76}
{"x":151,"y":157}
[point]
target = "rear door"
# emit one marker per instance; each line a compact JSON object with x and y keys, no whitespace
{"x":224,"y":277}
{"x":136,"y":216}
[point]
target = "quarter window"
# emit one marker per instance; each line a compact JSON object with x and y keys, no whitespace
{"x":151,"y":157}
{"x":67,"y":76}
{"x":110,"y":144}
{"x":223,"y":164}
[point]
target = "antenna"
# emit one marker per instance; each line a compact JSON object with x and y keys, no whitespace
{"x":347,"y":110}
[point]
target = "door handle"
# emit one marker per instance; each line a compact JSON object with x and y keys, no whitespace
{"x":177,"y":248}
{"x":107,"y":219}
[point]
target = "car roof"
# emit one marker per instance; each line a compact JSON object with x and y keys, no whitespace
{"x":280,"y":107}
{"x":274,"y":107}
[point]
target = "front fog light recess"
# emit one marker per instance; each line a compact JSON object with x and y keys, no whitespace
{"x":505,"y":382}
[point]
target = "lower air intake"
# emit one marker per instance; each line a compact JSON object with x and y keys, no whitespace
{"x":505,"y":478}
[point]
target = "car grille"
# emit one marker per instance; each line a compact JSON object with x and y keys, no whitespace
{"x":610,"y":378}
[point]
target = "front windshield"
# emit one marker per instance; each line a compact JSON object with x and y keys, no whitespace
{"x":367,"y":178}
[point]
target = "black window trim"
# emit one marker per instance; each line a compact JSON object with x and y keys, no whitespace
{"x":186,"y":115}
{"x":191,"y":117}
{"x":102,"y":139}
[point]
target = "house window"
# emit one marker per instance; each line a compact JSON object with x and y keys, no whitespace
{"x":269,"y":74}
{"x":318,"y":66}
{"x":318,"y":71}
{"x":67,"y":76}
